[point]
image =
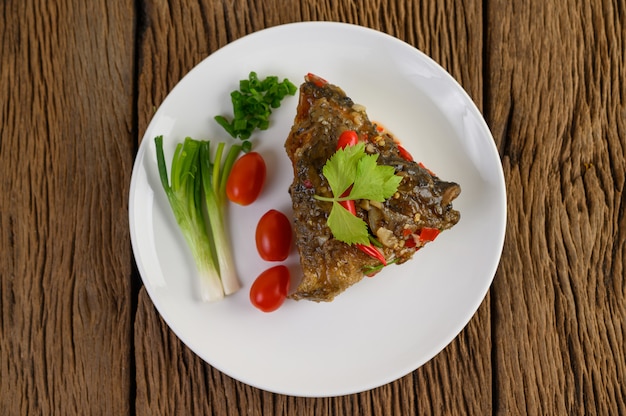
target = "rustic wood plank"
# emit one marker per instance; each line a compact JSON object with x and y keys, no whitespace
{"x":66,"y":83}
{"x":558,"y":112}
{"x":170,"y":378}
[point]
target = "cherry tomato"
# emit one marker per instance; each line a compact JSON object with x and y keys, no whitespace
{"x":273,"y":236}
{"x":347,"y":138}
{"x":246,"y":179}
{"x":269,"y":290}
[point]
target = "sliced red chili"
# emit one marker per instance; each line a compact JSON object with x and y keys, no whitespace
{"x":349,"y":204}
{"x":429,"y":234}
{"x":318,"y":81}
{"x":410,"y":242}
{"x":404,"y":154}
{"x":347,"y":138}
{"x":373,"y":252}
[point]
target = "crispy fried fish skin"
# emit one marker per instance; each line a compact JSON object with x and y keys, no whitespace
{"x":423,"y":200}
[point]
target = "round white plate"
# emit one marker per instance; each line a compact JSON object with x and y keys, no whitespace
{"x":381,"y":328}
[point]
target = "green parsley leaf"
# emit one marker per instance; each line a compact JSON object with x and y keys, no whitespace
{"x":347,"y":227}
{"x":373,"y":181}
{"x":341,"y":169}
{"x":351,"y":170}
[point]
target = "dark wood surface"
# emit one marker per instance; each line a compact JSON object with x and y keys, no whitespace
{"x":79,"y":82}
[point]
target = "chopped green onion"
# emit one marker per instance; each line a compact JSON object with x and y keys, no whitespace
{"x":253,"y":103}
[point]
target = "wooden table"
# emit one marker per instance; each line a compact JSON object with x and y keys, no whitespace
{"x":79,"y":82}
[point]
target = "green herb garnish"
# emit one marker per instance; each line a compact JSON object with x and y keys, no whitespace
{"x":353,"y":174}
{"x":253,"y":104}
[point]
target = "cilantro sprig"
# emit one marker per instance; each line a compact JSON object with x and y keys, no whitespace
{"x":352,"y":174}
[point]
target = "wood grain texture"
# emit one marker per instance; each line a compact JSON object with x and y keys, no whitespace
{"x":79,"y":83}
{"x":557,"y":108}
{"x":170,"y":378}
{"x":66,"y":149}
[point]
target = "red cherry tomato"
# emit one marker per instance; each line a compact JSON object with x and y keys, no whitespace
{"x":273,"y":236}
{"x":246,"y":179}
{"x":347,"y":138}
{"x":269,"y":290}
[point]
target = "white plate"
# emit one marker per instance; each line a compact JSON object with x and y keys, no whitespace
{"x":382,"y":328}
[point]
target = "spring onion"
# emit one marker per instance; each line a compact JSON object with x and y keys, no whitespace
{"x":197,"y":198}
{"x":253,"y":103}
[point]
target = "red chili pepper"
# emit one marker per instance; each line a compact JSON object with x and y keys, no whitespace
{"x":373,"y":252}
{"x":349,"y":204}
{"x":429,"y":234}
{"x":318,"y":81}
{"x":404,"y":154}
{"x":347,"y":138}
{"x":410,"y":242}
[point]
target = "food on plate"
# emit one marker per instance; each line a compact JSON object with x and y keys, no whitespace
{"x":253,"y":103}
{"x":353,"y":175}
{"x":246,"y":179}
{"x":333,"y":254}
{"x":197,"y":191}
{"x":273,"y":236}
{"x":269,"y":290}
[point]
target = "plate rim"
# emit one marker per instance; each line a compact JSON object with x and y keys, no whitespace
{"x":436,"y":349}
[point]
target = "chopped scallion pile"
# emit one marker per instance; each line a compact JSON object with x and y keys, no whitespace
{"x":253,"y":104}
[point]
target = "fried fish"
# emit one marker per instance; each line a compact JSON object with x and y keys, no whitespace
{"x":418,"y":211}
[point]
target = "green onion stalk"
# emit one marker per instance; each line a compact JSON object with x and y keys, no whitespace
{"x":214,"y":181}
{"x":198,"y":201}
